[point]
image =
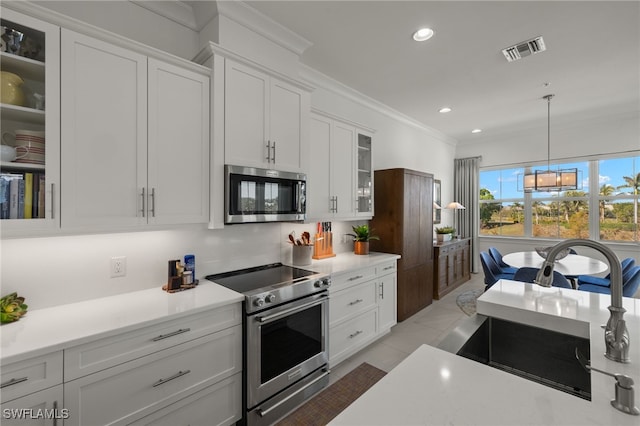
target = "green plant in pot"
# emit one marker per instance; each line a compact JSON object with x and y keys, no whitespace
{"x":361,"y":237}
{"x":445,"y":233}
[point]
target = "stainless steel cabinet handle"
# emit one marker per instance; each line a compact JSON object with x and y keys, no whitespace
{"x":357,"y":277}
{"x":173,"y":333}
{"x":388,"y":267}
{"x":381,"y":290}
{"x":55,"y":410}
{"x":355,"y":302}
{"x":357,"y":333}
{"x":153,"y":202}
{"x":268,"y":152}
{"x":143,"y":203}
{"x":53,"y":197}
{"x":13,"y":382}
{"x":168,"y":379}
{"x":274,"y":152}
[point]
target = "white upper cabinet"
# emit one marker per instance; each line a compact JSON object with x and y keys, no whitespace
{"x":339,"y":181}
{"x":36,"y":63}
{"x":135,"y":138}
{"x":265,"y":120}
{"x":104,"y":133}
{"x":178,"y":147}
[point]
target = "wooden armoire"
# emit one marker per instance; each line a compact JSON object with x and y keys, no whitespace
{"x":404,"y":222}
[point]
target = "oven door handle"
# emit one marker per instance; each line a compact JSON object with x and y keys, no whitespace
{"x":286,"y":312}
{"x":266,"y":412}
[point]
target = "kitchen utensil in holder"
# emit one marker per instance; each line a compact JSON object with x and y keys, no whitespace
{"x":323,"y":245}
{"x":301,"y":255}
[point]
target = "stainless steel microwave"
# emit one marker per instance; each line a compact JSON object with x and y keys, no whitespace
{"x":263,"y":195}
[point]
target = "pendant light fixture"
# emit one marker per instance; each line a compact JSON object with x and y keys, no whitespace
{"x":550,"y":180}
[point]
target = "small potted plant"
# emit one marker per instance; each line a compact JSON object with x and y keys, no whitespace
{"x":361,"y":237}
{"x":445,"y":233}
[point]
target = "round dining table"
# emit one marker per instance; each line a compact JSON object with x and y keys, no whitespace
{"x":571,"y":265}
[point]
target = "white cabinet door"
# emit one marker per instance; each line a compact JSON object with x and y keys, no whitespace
{"x":285,"y":129}
{"x":43,"y":408}
{"x":264,"y":120}
{"x":343,"y":170}
{"x":104,"y":133}
{"x":178,"y":149}
{"x":386,"y":302}
{"x":41,"y":75}
{"x":246,"y":126}
{"x":319,"y":178}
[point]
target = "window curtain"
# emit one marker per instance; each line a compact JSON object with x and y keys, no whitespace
{"x":466,"y":191}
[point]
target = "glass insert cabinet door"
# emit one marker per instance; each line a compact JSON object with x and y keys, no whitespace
{"x":29,"y":112}
{"x":364,"y":170}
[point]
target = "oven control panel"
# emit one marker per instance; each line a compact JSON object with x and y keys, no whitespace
{"x":277,"y":295}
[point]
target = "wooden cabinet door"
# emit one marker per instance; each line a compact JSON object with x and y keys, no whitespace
{"x":319,"y":179}
{"x":104,"y":133}
{"x":342,"y":170}
{"x":246,"y":120}
{"x":178,"y":149}
{"x":415,"y":289}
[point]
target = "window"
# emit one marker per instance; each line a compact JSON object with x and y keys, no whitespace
{"x":605,"y":207}
{"x":619,"y":187}
{"x":501,"y":205}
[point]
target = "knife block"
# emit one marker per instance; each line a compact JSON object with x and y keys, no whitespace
{"x":323,"y":245}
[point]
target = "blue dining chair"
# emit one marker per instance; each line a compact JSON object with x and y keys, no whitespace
{"x":492,"y":272}
{"x":630,"y":284}
{"x":497,"y":257}
{"x":626,"y":264}
{"x":528,"y":275}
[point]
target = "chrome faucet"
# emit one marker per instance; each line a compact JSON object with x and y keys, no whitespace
{"x":616,"y":335}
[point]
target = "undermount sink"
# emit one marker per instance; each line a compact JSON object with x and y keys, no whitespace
{"x":540,"y":355}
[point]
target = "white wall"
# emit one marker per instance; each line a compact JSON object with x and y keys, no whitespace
{"x":63,"y":269}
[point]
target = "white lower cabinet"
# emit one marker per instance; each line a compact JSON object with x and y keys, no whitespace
{"x":218,"y":404}
{"x":362,"y":308}
{"x":127,"y":392}
{"x":40,"y":408}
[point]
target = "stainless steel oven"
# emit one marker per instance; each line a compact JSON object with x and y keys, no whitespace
{"x":263,"y":195}
{"x":286,"y":339}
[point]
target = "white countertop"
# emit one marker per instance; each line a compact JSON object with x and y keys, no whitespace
{"x":46,"y":330}
{"x":434,"y":387}
{"x":348,"y":262}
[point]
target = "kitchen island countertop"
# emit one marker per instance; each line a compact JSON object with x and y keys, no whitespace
{"x":435,"y":387}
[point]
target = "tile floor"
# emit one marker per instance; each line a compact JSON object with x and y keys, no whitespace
{"x":429,"y":326}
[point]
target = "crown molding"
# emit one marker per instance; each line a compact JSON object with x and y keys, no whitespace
{"x":318,"y":79}
{"x":177,"y":11}
{"x":249,"y":17}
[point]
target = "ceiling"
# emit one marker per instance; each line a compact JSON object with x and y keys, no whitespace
{"x":592,"y":61}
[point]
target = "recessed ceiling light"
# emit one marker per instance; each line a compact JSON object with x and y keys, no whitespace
{"x":444,"y":109}
{"x":423,"y":34}
{"x":476,"y":131}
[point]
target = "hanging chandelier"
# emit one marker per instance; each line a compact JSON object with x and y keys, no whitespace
{"x":550,"y":180}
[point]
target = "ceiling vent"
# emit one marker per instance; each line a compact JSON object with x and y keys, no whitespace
{"x":523,"y":49}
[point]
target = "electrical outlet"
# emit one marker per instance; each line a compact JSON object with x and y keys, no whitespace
{"x":118,"y":266}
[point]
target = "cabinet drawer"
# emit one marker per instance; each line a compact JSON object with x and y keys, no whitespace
{"x":220,"y":404}
{"x":351,"y":278}
{"x":386,"y":268}
{"x":352,"y":301}
{"x":350,"y":334}
{"x":26,"y":411}
{"x":104,"y":353}
{"x":31,"y":375}
{"x":137,"y":388}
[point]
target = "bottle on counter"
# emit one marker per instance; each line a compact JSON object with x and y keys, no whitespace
{"x":190,"y":265}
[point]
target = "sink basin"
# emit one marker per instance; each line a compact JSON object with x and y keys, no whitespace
{"x":540,"y":355}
